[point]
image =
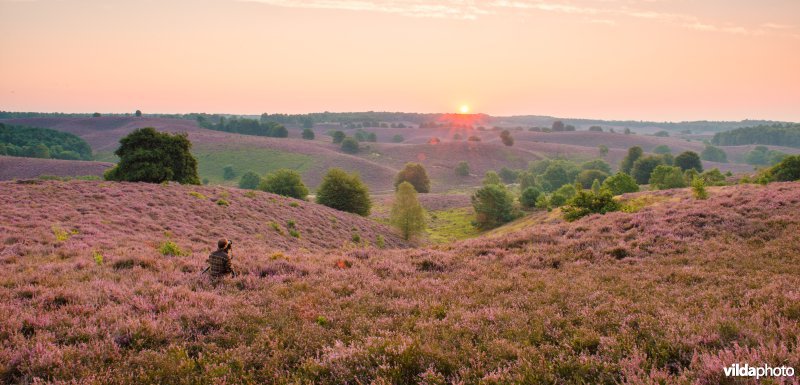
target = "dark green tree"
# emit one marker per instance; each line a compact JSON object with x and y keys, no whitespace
{"x":687,"y":160}
{"x":788,"y":170}
{"x":138,"y":113}
{"x":350,"y":145}
{"x":462,"y":169}
{"x":620,"y":183}
{"x":284,"y":182}
{"x":415,"y":174}
{"x":493,"y":206}
{"x":228,"y":173}
{"x":662,"y":149}
{"x":249,"y":180}
{"x":398,"y":138}
{"x":714,"y":154}
{"x":643,"y":167}
{"x":529,"y":197}
{"x":597,"y":164}
{"x":506,"y":138}
{"x":666,"y":177}
{"x":338,"y":137}
{"x":634,"y":153}
{"x":587,"y":177}
{"x":345,"y":192}
{"x":308,"y":134}
{"x":146,"y":155}
{"x":587,"y":202}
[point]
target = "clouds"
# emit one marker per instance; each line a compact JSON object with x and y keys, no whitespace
{"x":605,"y":12}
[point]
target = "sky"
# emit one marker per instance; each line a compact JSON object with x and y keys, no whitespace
{"x":663,"y":60}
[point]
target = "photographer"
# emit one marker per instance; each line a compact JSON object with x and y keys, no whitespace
{"x":219,"y":262}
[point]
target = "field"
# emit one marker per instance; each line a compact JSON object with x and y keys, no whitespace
{"x":25,"y":168}
{"x":670,"y":292}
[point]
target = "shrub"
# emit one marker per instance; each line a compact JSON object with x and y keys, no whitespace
{"x":223,"y":202}
{"x":308,"y":134}
{"x":228,"y":173}
{"x":250,"y":181}
{"x":714,"y":154}
{"x":662,"y":149}
{"x":415,"y":174}
{"x":699,"y":188}
{"x":198,"y":195}
{"x":398,"y":138}
{"x":562,"y":195}
{"x":587,"y":177}
{"x":713,"y":177}
{"x":350,"y":146}
{"x":491,"y":177}
{"x":529,"y":197}
{"x":586,"y":202}
{"x":506,"y":138}
{"x":597,"y":164}
{"x":666,"y":177}
{"x":146,"y":155}
{"x":356,"y":238}
{"x":620,"y":183}
{"x":284,"y":182}
{"x":338,"y":137}
{"x":761,"y":155}
{"x":687,"y":160}
{"x":345,"y":192}
{"x":643,"y":167}
{"x":493,"y":205}
{"x":462,"y":169}
{"x":169,"y":248}
{"x":787,"y":170}
{"x":294,"y":233}
{"x":407,"y":214}
{"x":634,"y":153}
{"x":508,"y":175}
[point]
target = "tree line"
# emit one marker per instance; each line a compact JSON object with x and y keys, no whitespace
{"x":776,"y":135}
{"x":37,"y":142}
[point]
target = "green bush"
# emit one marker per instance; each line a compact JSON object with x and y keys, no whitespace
{"x":308,"y":134}
{"x":228,"y":173}
{"x":634,"y":153}
{"x":699,"y":188}
{"x":493,"y":205}
{"x":398,"y":139}
{"x":407,"y":214}
{"x":415,"y":174}
{"x":687,"y":160}
{"x":597,"y":164}
{"x":350,"y":146}
{"x":586,"y":202}
{"x":147,"y":155}
{"x":345,"y":192}
{"x":714,"y":154}
{"x":338,"y":137}
{"x":587,"y":177}
{"x":787,"y":170}
{"x":666,"y":177}
{"x":250,"y":180}
{"x":284,"y":182}
{"x":643,"y":167}
{"x":529,"y":197}
{"x":462,"y":169}
{"x":169,"y":248}
{"x":491,"y":177}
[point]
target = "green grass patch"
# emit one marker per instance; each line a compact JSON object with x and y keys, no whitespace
{"x":451,"y":225}
{"x":210,"y":163}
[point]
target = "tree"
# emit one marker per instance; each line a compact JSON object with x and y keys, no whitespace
{"x":96,"y":115}
{"x":228,"y":172}
{"x":643,"y":167}
{"x":596,"y":128}
{"x":787,"y":170}
{"x":493,"y":206}
{"x":338,"y":137}
{"x":555,"y":176}
{"x":603,"y":149}
{"x":558,"y":126}
{"x":345,"y":192}
{"x":662,"y":134}
{"x":284,"y":182}
{"x":529,"y":197}
{"x":620,"y":183}
{"x":714,"y":154}
{"x":506,"y":138}
{"x":398,"y":138}
{"x":713,"y":177}
{"x":138,"y":113}
{"x":596,"y":164}
{"x":462,"y":169}
{"x":372,"y":137}
{"x":350,"y":145}
{"x":407,"y":214}
{"x":508,"y":175}
{"x":587,"y":202}
{"x":146,"y":155}
{"x":587,"y":177}
{"x":699,"y":188}
{"x":491,"y":177}
{"x":308,"y":134}
{"x":662,"y":149}
{"x":562,"y":195}
{"x":308,"y":123}
{"x":666,"y":177}
{"x":596,"y":186}
{"x":628,"y":131}
{"x":415,"y":174}
{"x":687,"y":160}
{"x":634,"y":153}
{"x":249,"y":180}
{"x":526,"y":179}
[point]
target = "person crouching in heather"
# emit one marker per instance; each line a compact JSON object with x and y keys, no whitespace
{"x":219,"y":262}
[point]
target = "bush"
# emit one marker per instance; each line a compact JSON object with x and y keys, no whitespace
{"x":345,"y":192}
{"x":597,"y":164}
{"x":506,"y":138}
{"x":350,"y":145}
{"x":228,"y":173}
{"x":415,"y":174}
{"x":462,"y":169}
{"x":562,"y":195}
{"x":338,"y":137}
{"x":250,"y":180}
{"x":699,"y":188}
{"x":586,"y":202}
{"x":634,"y":153}
{"x":787,"y":170}
{"x":662,"y":149}
{"x":643,"y":167}
{"x":687,"y":160}
{"x":529,"y":197}
{"x":666,"y":177}
{"x":493,"y":205}
{"x":169,"y":248}
{"x":713,"y":177}
{"x":146,"y":155}
{"x":407,"y":214}
{"x":284,"y":182}
{"x":508,"y":175}
{"x":587,"y":177}
{"x":398,"y":138}
{"x":308,"y":134}
{"x":714,"y":154}
{"x":620,"y":183}
{"x":491,"y":177}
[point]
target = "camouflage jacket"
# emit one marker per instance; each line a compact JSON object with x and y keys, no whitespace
{"x":219,"y":264}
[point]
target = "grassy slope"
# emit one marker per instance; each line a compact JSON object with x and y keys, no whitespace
{"x":669,"y":294}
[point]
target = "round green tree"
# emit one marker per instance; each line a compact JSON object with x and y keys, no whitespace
{"x":249,"y":180}
{"x":284,"y":182}
{"x":415,"y":174}
{"x":345,"y":192}
{"x":308,"y":134}
{"x":407,"y":214}
{"x":687,"y":160}
{"x":350,"y":145}
{"x":146,"y":155}
{"x":620,"y":183}
{"x":493,"y":206}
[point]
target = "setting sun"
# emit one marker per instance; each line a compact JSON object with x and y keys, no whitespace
{"x":464,"y":109}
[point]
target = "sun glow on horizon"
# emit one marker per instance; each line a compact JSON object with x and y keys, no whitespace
{"x":464,"y":109}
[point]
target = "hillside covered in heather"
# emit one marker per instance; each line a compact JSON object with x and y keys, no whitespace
{"x":668,"y":290}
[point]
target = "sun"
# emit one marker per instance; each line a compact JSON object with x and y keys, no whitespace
{"x":464,"y":109}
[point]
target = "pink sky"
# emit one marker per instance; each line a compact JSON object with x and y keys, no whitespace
{"x":620,"y":59}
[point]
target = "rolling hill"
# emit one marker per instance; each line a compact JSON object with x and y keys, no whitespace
{"x":670,"y":292}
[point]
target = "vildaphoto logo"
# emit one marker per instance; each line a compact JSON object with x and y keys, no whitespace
{"x":746,"y":370}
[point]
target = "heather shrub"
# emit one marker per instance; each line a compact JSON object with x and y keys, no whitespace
{"x":529,"y":197}
{"x":146,"y":155}
{"x":345,"y":192}
{"x":493,"y":206}
{"x":169,"y":248}
{"x":284,"y":182}
{"x":586,"y":202}
{"x":667,"y":177}
{"x":415,"y":174}
{"x":98,"y":257}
